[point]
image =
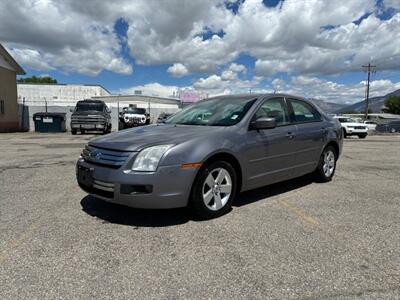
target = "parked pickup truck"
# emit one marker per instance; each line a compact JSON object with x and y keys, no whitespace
{"x":352,"y":127}
{"x":91,"y":115}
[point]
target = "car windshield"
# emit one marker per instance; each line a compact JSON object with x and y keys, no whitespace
{"x":134,"y":110}
{"x":346,"y":120}
{"x":213,"y":112}
{"x":89,"y":107}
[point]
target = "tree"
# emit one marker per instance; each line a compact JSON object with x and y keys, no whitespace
{"x":34,"y":79}
{"x":392,"y":105}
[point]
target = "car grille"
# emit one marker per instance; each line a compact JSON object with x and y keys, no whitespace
{"x":105,"y":186}
{"x":359,"y":127}
{"x":104,"y":157}
{"x":87,"y":119}
{"x":99,"y":189}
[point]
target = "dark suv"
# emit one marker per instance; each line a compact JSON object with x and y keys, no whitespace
{"x":91,"y":115}
{"x":392,"y":126}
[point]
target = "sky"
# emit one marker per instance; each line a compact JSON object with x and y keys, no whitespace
{"x":310,"y":48}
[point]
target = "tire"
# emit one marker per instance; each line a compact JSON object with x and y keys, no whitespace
{"x":82,"y":131}
{"x":107,"y":129}
{"x":326,"y":165}
{"x":73,"y":131}
{"x":344,"y":133}
{"x":204,"y":199}
{"x":362,"y":136}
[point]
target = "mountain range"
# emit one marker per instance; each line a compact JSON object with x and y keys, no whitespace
{"x":375,"y":104}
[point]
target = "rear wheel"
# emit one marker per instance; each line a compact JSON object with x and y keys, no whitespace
{"x":327,"y":165}
{"x":213,"y":190}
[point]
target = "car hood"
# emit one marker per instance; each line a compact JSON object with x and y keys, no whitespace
{"x":133,"y":115}
{"x":138,"y":138}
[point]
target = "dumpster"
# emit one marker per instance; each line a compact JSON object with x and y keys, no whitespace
{"x":49,"y":122}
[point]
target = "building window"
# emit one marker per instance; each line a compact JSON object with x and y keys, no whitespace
{"x":2,"y":107}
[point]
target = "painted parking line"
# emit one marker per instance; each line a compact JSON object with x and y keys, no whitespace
{"x":298,"y":212}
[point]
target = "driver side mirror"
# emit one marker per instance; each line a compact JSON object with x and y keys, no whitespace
{"x":263,"y":123}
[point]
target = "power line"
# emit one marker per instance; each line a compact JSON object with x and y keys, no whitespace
{"x":369,"y":68}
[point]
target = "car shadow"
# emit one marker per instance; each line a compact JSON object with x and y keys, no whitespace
{"x":118,"y":214}
{"x":251,"y":196}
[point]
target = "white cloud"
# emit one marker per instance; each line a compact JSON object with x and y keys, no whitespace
{"x":31,"y":58}
{"x":312,"y":87}
{"x":392,"y":3}
{"x":210,"y":83}
{"x":228,"y":82}
{"x":45,"y":35}
{"x":310,"y":37}
{"x":177,"y":70}
{"x":151,"y":89}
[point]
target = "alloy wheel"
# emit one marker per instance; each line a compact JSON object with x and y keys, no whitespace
{"x":329,"y":163}
{"x":217,"y":189}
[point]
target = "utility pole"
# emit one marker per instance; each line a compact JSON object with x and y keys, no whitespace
{"x":369,"y":68}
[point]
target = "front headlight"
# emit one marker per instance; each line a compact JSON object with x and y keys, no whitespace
{"x":148,"y":159}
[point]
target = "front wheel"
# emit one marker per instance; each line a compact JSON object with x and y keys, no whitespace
{"x":327,"y":165}
{"x":344,"y":133}
{"x":213,"y":190}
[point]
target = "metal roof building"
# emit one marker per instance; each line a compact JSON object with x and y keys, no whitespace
{"x":9,"y":69}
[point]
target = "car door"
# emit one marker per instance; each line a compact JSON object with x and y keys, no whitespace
{"x":311,"y":134}
{"x":270,"y":152}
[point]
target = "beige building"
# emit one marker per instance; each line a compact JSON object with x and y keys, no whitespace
{"x":9,"y":68}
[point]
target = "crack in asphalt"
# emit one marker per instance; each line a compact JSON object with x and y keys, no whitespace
{"x":35,"y":165}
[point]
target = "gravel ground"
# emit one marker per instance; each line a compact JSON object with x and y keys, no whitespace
{"x":296,"y":239}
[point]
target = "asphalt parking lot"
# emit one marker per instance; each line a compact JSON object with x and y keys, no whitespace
{"x":296,"y":239}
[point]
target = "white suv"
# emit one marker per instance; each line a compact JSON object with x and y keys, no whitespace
{"x":352,"y":127}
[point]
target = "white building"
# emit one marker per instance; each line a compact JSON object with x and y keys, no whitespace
{"x":37,"y":94}
{"x":62,"y":98}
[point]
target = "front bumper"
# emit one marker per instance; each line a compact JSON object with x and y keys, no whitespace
{"x":86,"y":126}
{"x":350,"y":131}
{"x":168,"y":187}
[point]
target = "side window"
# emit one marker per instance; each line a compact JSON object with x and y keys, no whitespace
{"x":274,"y":108}
{"x":304,"y":112}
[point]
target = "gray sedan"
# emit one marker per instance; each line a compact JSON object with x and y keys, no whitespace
{"x":208,"y":152}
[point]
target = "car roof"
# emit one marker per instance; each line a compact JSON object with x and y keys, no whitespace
{"x":91,"y":101}
{"x":249,"y":96}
